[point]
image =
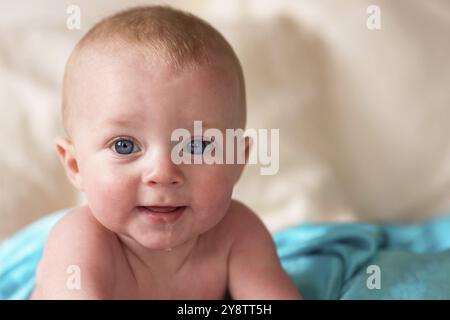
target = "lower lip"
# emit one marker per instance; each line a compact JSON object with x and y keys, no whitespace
{"x":161,"y":217}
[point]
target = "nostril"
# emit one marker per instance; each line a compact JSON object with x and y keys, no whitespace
{"x":162,"y":182}
{"x":162,"y":177}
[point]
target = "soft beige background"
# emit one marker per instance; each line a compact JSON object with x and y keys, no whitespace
{"x":363,"y":115}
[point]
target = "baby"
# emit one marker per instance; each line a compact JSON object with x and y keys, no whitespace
{"x":154,"y":229}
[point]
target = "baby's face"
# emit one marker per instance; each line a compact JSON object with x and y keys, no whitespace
{"x":126,"y":113}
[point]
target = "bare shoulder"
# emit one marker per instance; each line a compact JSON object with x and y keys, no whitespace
{"x":239,"y":228}
{"x":78,"y":259}
{"x":237,"y":222}
{"x":244,"y":222}
{"x":255,"y":271}
{"x":79,"y":220}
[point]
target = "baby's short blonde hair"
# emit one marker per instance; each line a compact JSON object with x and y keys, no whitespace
{"x":176,"y":38}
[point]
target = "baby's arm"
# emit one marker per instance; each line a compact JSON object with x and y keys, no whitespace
{"x":77,"y":262}
{"x":254,"y":268}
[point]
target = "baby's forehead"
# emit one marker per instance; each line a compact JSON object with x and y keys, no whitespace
{"x":124,"y":89}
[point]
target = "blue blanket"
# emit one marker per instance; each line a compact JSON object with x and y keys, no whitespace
{"x":368,"y":261}
{"x":326,"y":261}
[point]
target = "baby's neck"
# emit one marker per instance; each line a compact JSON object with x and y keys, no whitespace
{"x":167,"y":261}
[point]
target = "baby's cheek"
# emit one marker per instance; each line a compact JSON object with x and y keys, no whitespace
{"x":109,"y":190}
{"x":213,"y":192}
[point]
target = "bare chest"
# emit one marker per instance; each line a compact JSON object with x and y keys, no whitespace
{"x":205,"y":277}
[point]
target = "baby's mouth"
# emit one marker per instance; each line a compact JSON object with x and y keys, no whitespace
{"x":161,"y":214}
{"x":159,"y":209}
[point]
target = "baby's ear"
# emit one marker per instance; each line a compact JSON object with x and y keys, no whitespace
{"x":247,"y":146}
{"x":66,"y":152}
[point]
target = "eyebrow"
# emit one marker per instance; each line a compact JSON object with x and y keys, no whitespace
{"x":118,"y":122}
{"x":126,"y":123}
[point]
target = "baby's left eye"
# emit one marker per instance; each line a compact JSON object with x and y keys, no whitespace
{"x":125,"y":146}
{"x":197,"y":146}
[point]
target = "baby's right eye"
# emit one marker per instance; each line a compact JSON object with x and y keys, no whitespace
{"x":125,"y":146}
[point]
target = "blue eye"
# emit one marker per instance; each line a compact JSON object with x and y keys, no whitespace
{"x":125,"y":146}
{"x":197,"y":146}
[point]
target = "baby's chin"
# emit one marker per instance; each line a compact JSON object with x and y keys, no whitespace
{"x":165,"y":240}
{"x":158,"y":237}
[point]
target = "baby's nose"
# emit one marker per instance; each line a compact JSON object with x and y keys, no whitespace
{"x":163,"y":172}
